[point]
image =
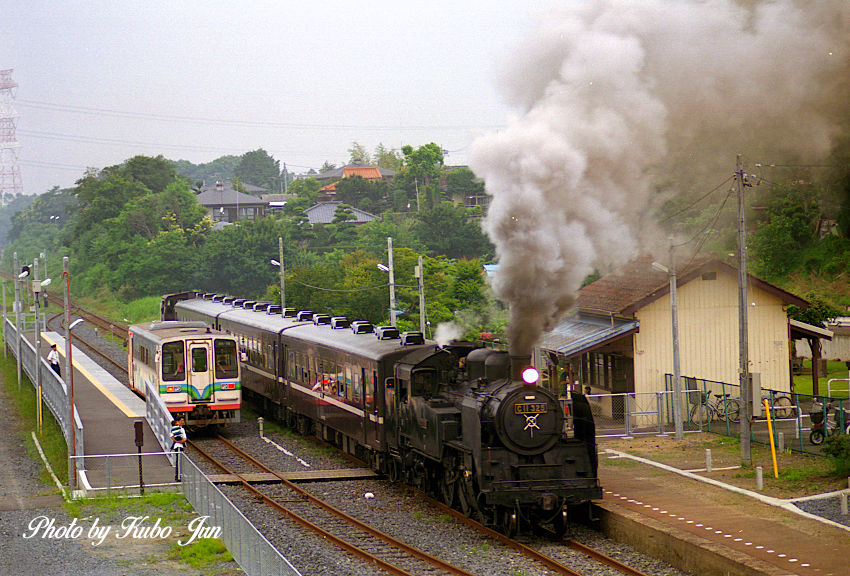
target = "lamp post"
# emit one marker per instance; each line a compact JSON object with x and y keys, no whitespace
{"x":18,"y":313}
{"x":69,"y":371}
{"x":674,"y":313}
{"x":420,"y":275}
{"x":280,"y":264}
{"x":37,"y":286}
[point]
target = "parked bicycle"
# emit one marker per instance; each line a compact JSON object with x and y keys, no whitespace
{"x":781,"y":405}
{"x":722,"y":407}
{"x":834,"y":421}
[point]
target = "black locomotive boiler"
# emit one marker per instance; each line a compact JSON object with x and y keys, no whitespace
{"x":469,"y":425}
{"x":478,"y":431}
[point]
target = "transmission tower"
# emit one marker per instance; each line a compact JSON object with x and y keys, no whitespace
{"x":10,"y":172}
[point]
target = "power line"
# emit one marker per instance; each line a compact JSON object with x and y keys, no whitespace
{"x":700,"y":199}
{"x":49,"y":106}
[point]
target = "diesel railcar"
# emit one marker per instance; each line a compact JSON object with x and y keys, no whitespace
{"x":195,"y":370}
{"x":460,"y":422}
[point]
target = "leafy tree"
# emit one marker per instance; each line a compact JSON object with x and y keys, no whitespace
{"x":448,"y":230}
{"x":358,"y":154}
{"x":461,"y":182}
{"x":387,"y":158}
{"x":817,"y":313}
{"x":221,"y":168}
{"x":305,"y":188}
{"x":235,"y":260}
{"x":779,"y":243}
{"x":366,"y":194}
{"x":327,"y":167}
{"x":259,"y":169}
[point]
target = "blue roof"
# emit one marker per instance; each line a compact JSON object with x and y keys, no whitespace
{"x":582,"y":333}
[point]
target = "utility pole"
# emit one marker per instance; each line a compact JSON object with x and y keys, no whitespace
{"x":18,"y":314}
{"x":36,"y":285}
{"x":743,"y":336}
{"x":677,"y":373}
{"x":392,"y":279}
{"x":282,"y":286}
{"x":69,"y":375}
{"x":420,"y":274}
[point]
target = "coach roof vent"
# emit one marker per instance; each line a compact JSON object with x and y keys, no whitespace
{"x":249,"y":304}
{"x":362,"y":327}
{"x":228,"y":300}
{"x":273,"y":309}
{"x":218,"y":298}
{"x":207,"y":295}
{"x":260,"y":306}
{"x":305,"y":316}
{"x":338,"y":322}
{"x":238,"y":302}
{"x":386,"y":332}
{"x":321,"y":319}
{"x":412,"y":337}
{"x":288,"y":312}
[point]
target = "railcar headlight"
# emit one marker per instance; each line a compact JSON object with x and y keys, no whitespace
{"x":530,"y":375}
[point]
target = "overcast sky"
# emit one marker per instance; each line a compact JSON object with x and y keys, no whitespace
{"x":101,"y":81}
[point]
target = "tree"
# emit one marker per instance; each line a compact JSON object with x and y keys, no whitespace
{"x":366,"y":194}
{"x":387,"y":158}
{"x":327,"y":167}
{"x":817,"y":314}
{"x":358,"y":154}
{"x":461,"y":182}
{"x":447,"y":230}
{"x":778,"y":245}
{"x":259,"y":169}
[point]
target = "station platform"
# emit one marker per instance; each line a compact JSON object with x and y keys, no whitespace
{"x":109,"y":410}
{"x":710,"y":528}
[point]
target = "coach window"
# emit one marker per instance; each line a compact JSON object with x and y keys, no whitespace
{"x":225,"y":359}
{"x":173,"y":361}
{"x":199,"y":360}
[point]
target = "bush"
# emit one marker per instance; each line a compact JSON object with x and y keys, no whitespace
{"x":837,"y":449}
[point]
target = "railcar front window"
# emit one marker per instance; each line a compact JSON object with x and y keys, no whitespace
{"x":199,"y":360}
{"x":225,"y":359}
{"x":173,"y":361}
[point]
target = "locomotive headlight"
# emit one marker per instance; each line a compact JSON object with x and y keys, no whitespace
{"x":530,"y":375}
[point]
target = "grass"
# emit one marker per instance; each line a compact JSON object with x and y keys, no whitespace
{"x":201,"y":553}
{"x":171,"y":507}
{"x":51,"y":439}
{"x":803,"y":382}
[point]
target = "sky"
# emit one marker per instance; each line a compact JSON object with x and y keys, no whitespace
{"x":102,"y":81}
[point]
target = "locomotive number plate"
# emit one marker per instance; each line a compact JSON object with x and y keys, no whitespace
{"x":530,"y":408}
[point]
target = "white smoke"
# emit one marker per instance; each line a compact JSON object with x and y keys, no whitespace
{"x":446,"y":332}
{"x":612,"y":95}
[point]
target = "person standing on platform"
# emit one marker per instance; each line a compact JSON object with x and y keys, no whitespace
{"x":53,"y":359}
{"x":178,"y":441}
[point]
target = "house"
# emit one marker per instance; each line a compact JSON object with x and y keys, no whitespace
{"x":225,"y":204}
{"x":328,"y":191}
{"x":324,"y":212}
{"x":619,"y":340}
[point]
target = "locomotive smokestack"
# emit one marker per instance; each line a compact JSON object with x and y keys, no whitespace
{"x":519,"y":362}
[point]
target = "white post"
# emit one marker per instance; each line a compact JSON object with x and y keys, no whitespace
{"x":759,"y":478}
{"x":420,"y":274}
{"x":17,"y":315}
{"x":37,"y":325}
{"x":708,"y":459}
{"x":282,"y":286}
{"x":392,"y":279}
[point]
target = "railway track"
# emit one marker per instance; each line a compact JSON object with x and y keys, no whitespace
{"x":337,"y":527}
{"x":290,"y":499}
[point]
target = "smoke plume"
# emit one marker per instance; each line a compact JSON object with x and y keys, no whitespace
{"x":613,"y":95}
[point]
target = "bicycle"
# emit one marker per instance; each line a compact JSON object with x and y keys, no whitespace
{"x":780,"y":405}
{"x":722,"y":407}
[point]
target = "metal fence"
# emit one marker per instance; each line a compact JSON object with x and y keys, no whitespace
{"x":124,"y":473}
{"x":54,"y":393}
{"x":254,"y":553}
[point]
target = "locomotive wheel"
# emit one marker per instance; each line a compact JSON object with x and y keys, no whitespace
{"x":559,"y":524}
{"x":510,"y":524}
{"x":448,"y":486}
{"x":395,"y":470}
{"x":465,"y":499}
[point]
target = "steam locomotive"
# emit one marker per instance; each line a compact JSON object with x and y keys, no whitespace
{"x":467,"y":424}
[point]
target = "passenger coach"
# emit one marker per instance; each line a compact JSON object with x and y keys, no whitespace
{"x":194,"y":369}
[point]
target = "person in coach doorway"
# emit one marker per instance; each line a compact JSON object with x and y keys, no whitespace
{"x":53,"y":359}
{"x":178,"y":441}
